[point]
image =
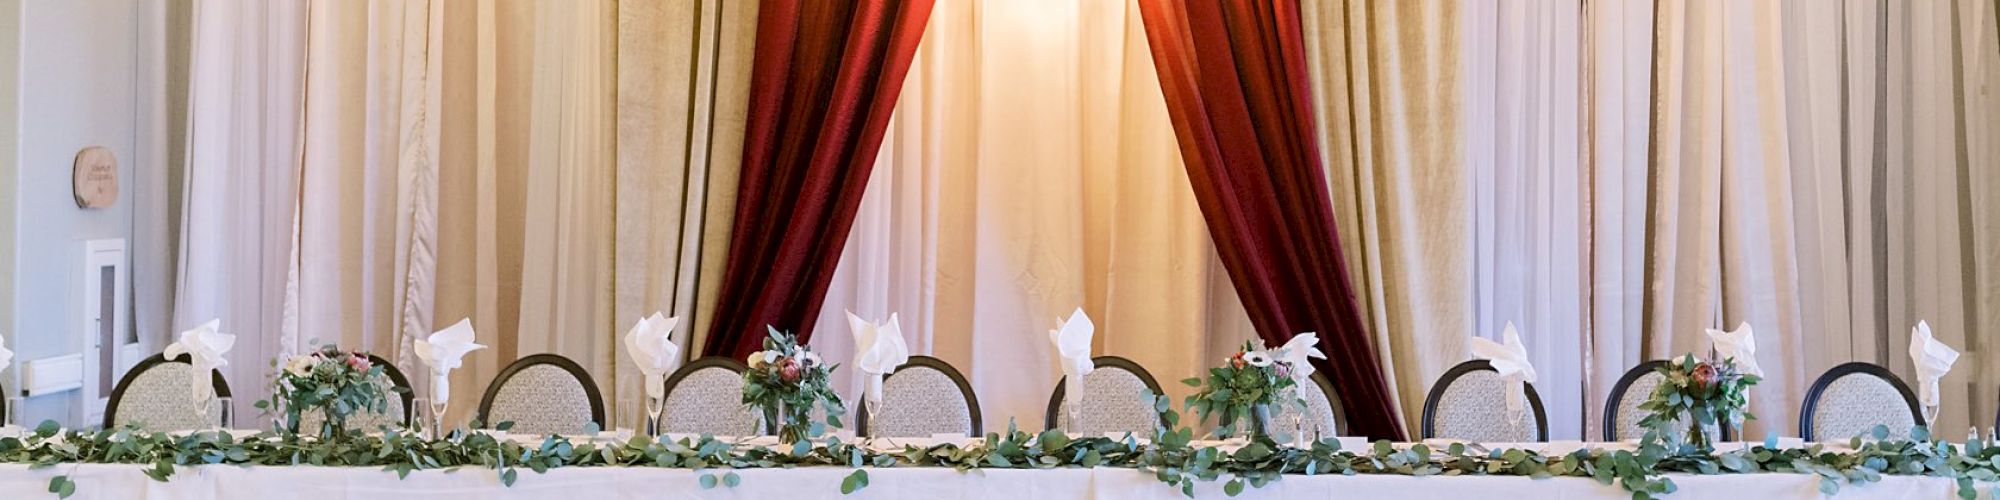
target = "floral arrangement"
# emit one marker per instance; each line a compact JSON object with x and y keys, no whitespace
{"x":1244,"y":388}
{"x":337,"y":383}
{"x":1697,"y":394}
{"x":785,"y":381}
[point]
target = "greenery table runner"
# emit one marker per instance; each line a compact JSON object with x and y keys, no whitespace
{"x":1174,"y":458}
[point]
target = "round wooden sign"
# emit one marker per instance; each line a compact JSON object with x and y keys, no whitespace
{"x":95,"y":178}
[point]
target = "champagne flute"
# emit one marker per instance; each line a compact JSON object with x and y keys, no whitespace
{"x":414,"y":416}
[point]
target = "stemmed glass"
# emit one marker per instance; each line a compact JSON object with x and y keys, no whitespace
{"x":437,"y":408}
{"x":654,"y":407}
{"x":222,"y":411}
{"x":1930,"y":417}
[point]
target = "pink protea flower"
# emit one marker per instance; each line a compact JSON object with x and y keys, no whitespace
{"x":1703,"y":378}
{"x":359,"y":363}
{"x":789,"y":370}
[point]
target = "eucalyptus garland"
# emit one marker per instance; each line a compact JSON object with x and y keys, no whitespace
{"x":1172,"y":456}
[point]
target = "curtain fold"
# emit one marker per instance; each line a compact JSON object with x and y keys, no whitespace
{"x":682,"y":70}
{"x":1030,"y":169}
{"x":823,"y":83}
{"x":1391,"y":123}
{"x":1235,"y":80}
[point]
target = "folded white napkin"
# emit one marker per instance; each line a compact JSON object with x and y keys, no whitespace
{"x":1072,"y":342}
{"x":1511,"y":360}
{"x":650,"y":343}
{"x":443,"y":351}
{"x":878,"y":350}
{"x":1296,"y":352}
{"x":6,"y":356}
{"x":1933,"y":359}
{"x":1739,"y":346}
{"x":205,"y":348}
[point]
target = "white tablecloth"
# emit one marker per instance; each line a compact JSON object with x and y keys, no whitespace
{"x":332,"y":483}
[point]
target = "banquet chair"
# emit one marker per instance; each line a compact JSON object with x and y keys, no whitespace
{"x":706,"y":397}
{"x":543,"y":394}
{"x":1470,"y":403}
{"x":1323,"y":416}
{"x":1622,"y":413}
{"x":1118,"y":397}
{"x":1853,"y":398}
{"x":923,"y":397}
{"x":154,"y":396}
{"x":396,"y":412}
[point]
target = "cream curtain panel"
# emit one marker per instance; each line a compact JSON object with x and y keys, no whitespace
{"x":1635,"y":172}
{"x":1029,"y":170}
{"x":543,"y":168}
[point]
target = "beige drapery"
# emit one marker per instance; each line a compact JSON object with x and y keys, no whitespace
{"x":1385,"y":77}
{"x":1827,"y":173}
{"x":683,"y":77}
{"x":1823,"y":173}
{"x":480,"y":160}
{"x":1030,"y":170}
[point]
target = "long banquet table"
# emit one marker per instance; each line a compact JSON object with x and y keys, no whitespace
{"x":123,"y":481}
{"x":330,"y":483}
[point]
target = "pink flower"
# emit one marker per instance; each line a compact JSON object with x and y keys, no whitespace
{"x":358,"y":363}
{"x":1283,"y":370}
{"x":789,"y":370}
{"x":1703,"y":377}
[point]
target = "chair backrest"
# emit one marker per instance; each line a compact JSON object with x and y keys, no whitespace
{"x":923,"y":397}
{"x":1470,"y":403}
{"x":1118,"y":397}
{"x":543,"y":394}
{"x":154,"y":395}
{"x":706,"y":397}
{"x":1853,"y":398}
{"x":1323,"y":416}
{"x":396,"y":413}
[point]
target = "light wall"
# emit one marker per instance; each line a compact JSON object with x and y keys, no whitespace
{"x":70,"y":77}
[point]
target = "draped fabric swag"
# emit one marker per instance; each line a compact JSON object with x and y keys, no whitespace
{"x":823,"y":84}
{"x":1030,"y":169}
{"x":1234,"y":75}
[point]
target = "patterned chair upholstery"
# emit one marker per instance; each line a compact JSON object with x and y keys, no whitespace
{"x":543,"y":394}
{"x":1622,"y":413}
{"x":1117,"y":398}
{"x":1853,"y":398}
{"x":706,"y":397}
{"x":1470,"y":403}
{"x":923,"y":397}
{"x":155,"y":396}
{"x":1323,"y":416}
{"x":396,"y":414}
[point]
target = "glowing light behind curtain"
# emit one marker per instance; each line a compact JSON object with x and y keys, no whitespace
{"x":1030,"y":169}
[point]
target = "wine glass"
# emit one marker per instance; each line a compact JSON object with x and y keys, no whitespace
{"x":12,"y":417}
{"x":414,"y":415}
{"x":654,"y":407}
{"x":220,"y":413}
{"x":437,"y":408}
{"x":1930,"y":416}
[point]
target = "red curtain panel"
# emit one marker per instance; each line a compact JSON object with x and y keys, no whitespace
{"x":1234,"y":74}
{"x":823,"y":82}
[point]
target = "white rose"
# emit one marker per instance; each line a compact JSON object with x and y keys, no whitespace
{"x":756,"y":360}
